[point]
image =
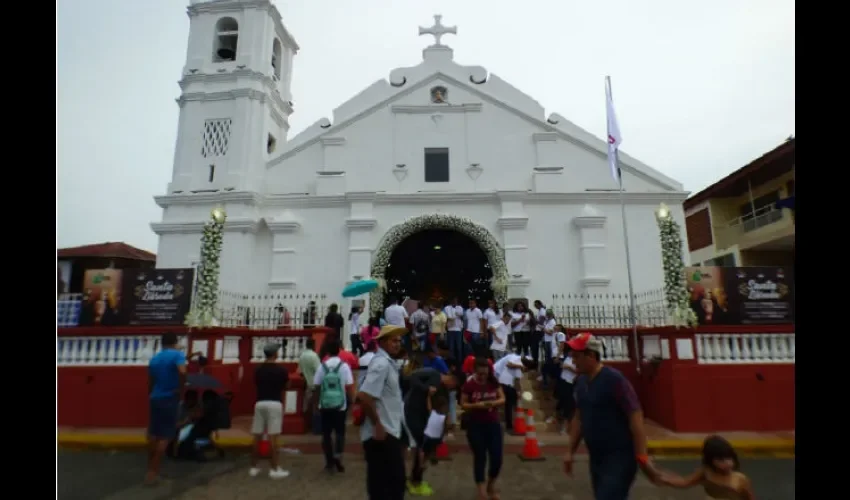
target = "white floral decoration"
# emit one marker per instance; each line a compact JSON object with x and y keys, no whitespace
{"x":398,"y":233}
{"x":203,"y":312}
{"x":675,"y":286}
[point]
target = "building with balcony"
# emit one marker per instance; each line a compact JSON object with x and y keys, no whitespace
{"x":740,"y":220}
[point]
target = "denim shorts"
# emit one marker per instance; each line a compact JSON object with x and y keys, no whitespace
{"x":163,"y":418}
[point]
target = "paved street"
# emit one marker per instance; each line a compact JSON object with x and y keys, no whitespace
{"x":116,"y":475}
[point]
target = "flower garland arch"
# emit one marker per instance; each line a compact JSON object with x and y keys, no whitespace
{"x":398,"y":233}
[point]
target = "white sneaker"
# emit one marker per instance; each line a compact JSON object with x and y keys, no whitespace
{"x":278,"y":473}
{"x":254,"y":472}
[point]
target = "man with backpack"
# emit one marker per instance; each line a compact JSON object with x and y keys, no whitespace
{"x":334,"y":388}
{"x":421,"y":321}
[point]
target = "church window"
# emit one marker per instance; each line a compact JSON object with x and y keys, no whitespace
{"x":212,"y":173}
{"x":216,"y":137}
{"x":436,"y":164}
{"x":226,"y":39}
{"x":439,"y":95}
{"x":271,"y":144}
{"x":276,"y":54}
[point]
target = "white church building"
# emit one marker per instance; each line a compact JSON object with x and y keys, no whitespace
{"x":433,"y":146}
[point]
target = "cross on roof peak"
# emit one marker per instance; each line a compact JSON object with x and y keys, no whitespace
{"x":438,"y":30}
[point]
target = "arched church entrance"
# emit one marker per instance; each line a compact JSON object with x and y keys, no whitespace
{"x":435,"y":265}
{"x":438,"y":256}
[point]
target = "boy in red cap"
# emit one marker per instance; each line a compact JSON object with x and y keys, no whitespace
{"x":609,"y":419}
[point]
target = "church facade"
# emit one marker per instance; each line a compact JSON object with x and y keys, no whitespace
{"x":433,"y":146}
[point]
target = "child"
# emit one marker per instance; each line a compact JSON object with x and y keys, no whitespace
{"x":436,"y":428}
{"x":718,"y":475}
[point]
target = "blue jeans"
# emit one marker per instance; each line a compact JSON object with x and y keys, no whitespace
{"x":612,"y":475}
{"x":453,"y":407}
{"x":455,"y":341}
{"x":485,"y":441}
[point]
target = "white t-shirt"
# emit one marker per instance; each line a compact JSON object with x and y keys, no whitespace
{"x":548,"y":329}
{"x":508,"y":375}
{"x":500,"y":335}
{"x":436,"y":424}
{"x":354,"y":324}
{"x":492,"y":317}
{"x":366,"y":359}
{"x":395,"y":315}
{"x":473,"y":320}
{"x":540,"y":314}
{"x":454,"y":318}
{"x":345,"y":374}
{"x":567,"y":375}
{"x":560,"y":338}
{"x":522,"y":326}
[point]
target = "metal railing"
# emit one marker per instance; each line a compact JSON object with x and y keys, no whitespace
{"x":610,"y":310}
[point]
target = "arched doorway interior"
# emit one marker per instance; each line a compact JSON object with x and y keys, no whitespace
{"x":396,"y":235}
{"x":435,"y":265}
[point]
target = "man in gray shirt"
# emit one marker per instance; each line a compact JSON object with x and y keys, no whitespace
{"x":380,"y":398}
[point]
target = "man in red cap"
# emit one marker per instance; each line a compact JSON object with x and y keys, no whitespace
{"x":609,"y":419}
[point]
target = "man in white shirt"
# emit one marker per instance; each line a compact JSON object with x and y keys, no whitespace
{"x":333,"y":376}
{"x":519,"y":325}
{"x":548,"y":327}
{"x":508,"y":371}
{"x":454,"y":327}
{"x":396,"y":314}
{"x":499,"y":336}
{"x":474,"y":318}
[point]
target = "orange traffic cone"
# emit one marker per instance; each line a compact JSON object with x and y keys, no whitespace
{"x":442,"y":452}
{"x":531,"y":450}
{"x":264,"y":447}
{"x":519,"y":423}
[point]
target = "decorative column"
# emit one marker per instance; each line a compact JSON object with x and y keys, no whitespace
{"x":284,"y":262}
{"x":360,"y":223}
{"x":203,"y":313}
{"x":675,"y":289}
{"x":514,"y":223}
{"x":593,"y":238}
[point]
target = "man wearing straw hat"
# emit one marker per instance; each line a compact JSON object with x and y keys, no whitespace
{"x":380,"y":399}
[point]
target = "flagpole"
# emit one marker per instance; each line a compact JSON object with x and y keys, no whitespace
{"x":632,"y":311}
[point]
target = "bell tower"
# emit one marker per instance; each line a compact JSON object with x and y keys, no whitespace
{"x":235,"y":102}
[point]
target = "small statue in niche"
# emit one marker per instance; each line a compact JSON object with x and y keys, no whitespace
{"x":438,"y":95}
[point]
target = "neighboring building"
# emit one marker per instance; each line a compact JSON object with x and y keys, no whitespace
{"x":436,"y":146}
{"x":73,"y":262}
{"x":737,"y":222}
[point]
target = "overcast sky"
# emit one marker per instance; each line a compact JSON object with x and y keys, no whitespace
{"x":701,"y":88}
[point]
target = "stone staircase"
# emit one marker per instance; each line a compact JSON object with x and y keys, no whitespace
{"x":543,"y":403}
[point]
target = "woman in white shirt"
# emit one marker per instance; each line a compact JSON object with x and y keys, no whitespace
{"x":499,"y":333}
{"x":521,"y":329}
{"x":354,"y":331}
{"x":565,"y":407}
{"x":548,"y":326}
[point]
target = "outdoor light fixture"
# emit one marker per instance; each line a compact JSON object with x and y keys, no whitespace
{"x":437,"y":247}
{"x":663,"y":211}
{"x":218,"y":215}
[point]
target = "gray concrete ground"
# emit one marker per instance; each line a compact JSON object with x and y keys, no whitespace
{"x":96,"y":475}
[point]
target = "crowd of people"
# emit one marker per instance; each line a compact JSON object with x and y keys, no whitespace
{"x":421,"y":376}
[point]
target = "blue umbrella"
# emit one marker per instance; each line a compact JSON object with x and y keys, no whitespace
{"x":359,"y":288}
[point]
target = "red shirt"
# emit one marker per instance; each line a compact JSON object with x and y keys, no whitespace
{"x":469,"y":364}
{"x":348,"y":358}
{"x":482,"y":392}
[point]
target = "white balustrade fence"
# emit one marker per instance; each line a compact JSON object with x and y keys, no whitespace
{"x":125,"y":350}
{"x":745,"y":348}
{"x":290,"y":348}
{"x":615,"y":348}
{"x":609,"y":310}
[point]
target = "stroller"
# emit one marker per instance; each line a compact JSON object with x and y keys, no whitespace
{"x":200,"y":420}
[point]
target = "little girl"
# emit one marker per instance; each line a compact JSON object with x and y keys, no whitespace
{"x":718,"y":475}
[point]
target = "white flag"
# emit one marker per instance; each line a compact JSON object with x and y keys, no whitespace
{"x":614,"y":137}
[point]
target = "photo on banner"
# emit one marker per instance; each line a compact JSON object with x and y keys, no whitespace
{"x":741,"y":295}
{"x":101,"y":297}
